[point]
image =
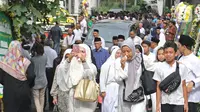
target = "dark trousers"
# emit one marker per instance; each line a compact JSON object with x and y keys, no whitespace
{"x":50,"y":77}
{"x":172,"y":108}
{"x":98,"y":81}
{"x":192,"y":107}
{"x":98,"y":76}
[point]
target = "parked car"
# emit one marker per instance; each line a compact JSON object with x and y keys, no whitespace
{"x":108,"y":29}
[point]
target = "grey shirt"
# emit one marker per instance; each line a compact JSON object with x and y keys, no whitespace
{"x":40,"y":71}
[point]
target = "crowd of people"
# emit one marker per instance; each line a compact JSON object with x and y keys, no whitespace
{"x":49,"y":66}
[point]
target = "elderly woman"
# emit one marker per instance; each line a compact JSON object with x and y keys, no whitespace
{"x":109,"y":87}
{"x":129,"y":79}
{"x":78,"y":66}
{"x":17,"y":78}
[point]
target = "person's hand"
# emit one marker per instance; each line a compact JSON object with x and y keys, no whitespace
{"x":185,"y":107}
{"x":82,"y":58}
{"x":71,"y":56}
{"x":55,"y":101}
{"x":190,"y":86}
{"x":103,"y":94}
{"x":123,"y":61}
{"x":158,"y":108}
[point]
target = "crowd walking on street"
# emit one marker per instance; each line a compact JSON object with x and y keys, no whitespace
{"x":151,"y":70}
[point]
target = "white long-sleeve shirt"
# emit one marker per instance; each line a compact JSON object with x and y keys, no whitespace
{"x":193,"y":64}
{"x":69,"y":40}
{"x":149,"y":62}
{"x":77,"y":34}
{"x":162,"y":40}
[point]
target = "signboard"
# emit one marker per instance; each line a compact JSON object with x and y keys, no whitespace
{"x":5,"y":39}
{"x":5,"y":33}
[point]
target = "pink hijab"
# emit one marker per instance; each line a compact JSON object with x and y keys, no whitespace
{"x":14,"y":63}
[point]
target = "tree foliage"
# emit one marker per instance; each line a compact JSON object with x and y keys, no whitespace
{"x":26,"y":13}
{"x":106,"y":5}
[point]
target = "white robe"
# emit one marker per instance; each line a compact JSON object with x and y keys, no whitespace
{"x":108,"y":84}
{"x":162,"y":40}
{"x":90,"y":72}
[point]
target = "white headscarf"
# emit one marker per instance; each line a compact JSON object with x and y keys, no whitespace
{"x":108,"y":68}
{"x":75,"y":70}
{"x":61,"y":72}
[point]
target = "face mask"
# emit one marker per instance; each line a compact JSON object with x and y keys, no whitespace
{"x":120,"y":44}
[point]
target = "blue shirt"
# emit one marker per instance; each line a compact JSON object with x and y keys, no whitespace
{"x":100,"y":56}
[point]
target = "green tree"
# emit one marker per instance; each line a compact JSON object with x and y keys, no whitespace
{"x":26,"y":13}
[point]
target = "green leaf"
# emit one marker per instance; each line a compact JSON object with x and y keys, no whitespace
{"x":16,"y":22}
{"x":18,"y":9}
{"x":23,"y":19}
{"x":35,"y":12}
{"x":23,"y":8}
{"x":53,"y":12}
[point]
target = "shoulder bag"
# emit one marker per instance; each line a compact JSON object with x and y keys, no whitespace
{"x":148,"y":83}
{"x":171,"y":82}
{"x":136,"y":96}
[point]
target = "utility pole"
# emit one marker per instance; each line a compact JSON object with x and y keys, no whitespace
{"x":124,"y":5}
{"x":135,"y":3}
{"x":70,"y":6}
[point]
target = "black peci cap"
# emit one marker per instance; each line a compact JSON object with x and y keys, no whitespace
{"x":121,"y":37}
{"x":97,"y":39}
{"x":186,"y":40}
{"x":95,"y":30}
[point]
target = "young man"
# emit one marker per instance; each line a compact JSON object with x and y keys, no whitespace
{"x":160,"y":36}
{"x":69,"y":40}
{"x":171,"y":31}
{"x":149,"y":63}
{"x":115,"y":43}
{"x":154,"y":45}
{"x":149,"y":58}
{"x":96,"y":35}
{"x":83,"y":24}
{"x":137,"y":40}
{"x":121,"y":39}
{"x":193,"y":64}
{"x":176,"y":101}
{"x":51,"y":55}
{"x":78,"y":32}
{"x":56,"y":34}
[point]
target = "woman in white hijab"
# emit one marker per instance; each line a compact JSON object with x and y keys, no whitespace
{"x":79,"y":66}
{"x":59,"y":88}
{"x":108,"y":86}
{"x":129,"y":79}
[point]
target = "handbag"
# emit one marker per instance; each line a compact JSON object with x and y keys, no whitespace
{"x":87,"y":90}
{"x":136,"y":96}
{"x":171,"y":82}
{"x":55,"y":109}
{"x":148,"y":83}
